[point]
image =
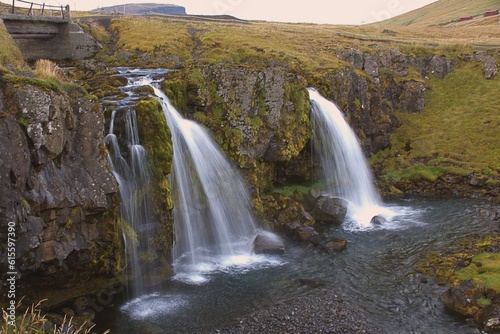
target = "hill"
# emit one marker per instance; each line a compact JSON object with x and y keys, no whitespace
{"x":447,"y":12}
{"x":144,"y":8}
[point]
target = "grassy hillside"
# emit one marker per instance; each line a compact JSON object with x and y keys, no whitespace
{"x":10,"y":56}
{"x":445,"y":12}
{"x":426,"y":146}
{"x":456,"y":134}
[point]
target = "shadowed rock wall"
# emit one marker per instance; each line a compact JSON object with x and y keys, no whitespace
{"x":56,"y":185}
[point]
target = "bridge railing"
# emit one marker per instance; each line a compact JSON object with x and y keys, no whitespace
{"x":41,"y":9}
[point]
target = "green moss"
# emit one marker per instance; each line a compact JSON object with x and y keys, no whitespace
{"x":295,"y":188}
{"x":23,"y":121}
{"x":485,"y":267}
{"x":10,"y":55}
{"x":176,"y":90}
{"x":156,"y":139}
{"x":483,"y":302}
{"x":49,"y":84}
{"x":464,"y":260}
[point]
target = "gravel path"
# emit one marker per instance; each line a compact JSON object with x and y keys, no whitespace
{"x":324,"y":313}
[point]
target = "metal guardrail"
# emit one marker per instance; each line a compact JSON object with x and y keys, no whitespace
{"x":42,"y":9}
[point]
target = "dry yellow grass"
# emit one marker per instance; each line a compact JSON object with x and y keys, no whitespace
{"x":47,"y":69}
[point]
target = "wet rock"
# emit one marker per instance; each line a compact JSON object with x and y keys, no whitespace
{"x":378,"y":220}
{"x":307,"y":233}
{"x":266,"y":242}
{"x":330,"y":209}
{"x":455,"y":298}
{"x":311,"y":283}
{"x":336,"y":245}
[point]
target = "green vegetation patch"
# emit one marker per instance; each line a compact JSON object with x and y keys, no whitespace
{"x":10,"y":56}
{"x":484,"y":267}
{"x":169,"y":42}
{"x":457,"y":133}
{"x":470,"y":257}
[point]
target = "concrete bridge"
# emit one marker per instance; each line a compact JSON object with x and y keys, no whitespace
{"x":47,"y":32}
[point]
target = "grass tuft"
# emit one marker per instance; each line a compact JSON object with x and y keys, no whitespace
{"x":32,"y":321}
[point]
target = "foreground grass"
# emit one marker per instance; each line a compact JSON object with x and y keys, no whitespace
{"x":33,"y":321}
{"x":457,"y":133}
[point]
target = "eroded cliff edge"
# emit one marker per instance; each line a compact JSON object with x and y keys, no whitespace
{"x":56,"y":184}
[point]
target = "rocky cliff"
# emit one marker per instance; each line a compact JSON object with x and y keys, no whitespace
{"x":61,"y":194}
{"x":57,"y":187}
{"x":261,"y":117}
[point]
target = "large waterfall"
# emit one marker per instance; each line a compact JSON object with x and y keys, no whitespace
{"x":213,"y":221}
{"x":343,"y":164}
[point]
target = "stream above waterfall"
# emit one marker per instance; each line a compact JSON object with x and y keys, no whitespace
{"x":375,"y":273}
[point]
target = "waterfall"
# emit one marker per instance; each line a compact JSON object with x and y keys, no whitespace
{"x":213,"y":222}
{"x":214,"y":228}
{"x":344,"y":167}
{"x":128,"y":162}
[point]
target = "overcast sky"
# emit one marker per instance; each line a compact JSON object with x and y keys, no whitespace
{"x":313,"y":11}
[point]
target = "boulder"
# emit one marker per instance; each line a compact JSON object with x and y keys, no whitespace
{"x":307,"y":233}
{"x":378,"y":220}
{"x":455,"y":298}
{"x":336,"y":244}
{"x":266,"y":242}
{"x":330,"y":209}
{"x":490,"y":67}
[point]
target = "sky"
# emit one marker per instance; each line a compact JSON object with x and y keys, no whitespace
{"x":311,"y":11}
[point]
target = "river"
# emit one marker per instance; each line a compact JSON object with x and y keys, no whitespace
{"x":376,"y":273}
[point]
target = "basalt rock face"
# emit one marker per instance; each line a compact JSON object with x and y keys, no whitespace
{"x":56,"y":184}
{"x":377,"y":84}
{"x":260,"y":117}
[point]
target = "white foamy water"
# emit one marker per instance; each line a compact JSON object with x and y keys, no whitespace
{"x":344,"y":167}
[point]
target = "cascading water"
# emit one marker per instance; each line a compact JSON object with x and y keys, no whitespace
{"x":213,"y":222}
{"x":343,"y":164}
{"x":128,"y":162}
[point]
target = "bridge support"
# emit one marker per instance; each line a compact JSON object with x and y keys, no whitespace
{"x":53,"y":38}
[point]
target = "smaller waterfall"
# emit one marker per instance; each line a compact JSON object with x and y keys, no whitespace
{"x":344,"y":167}
{"x":128,"y":162}
{"x":213,"y":222}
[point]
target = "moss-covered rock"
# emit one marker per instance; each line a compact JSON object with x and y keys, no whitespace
{"x":156,"y":139}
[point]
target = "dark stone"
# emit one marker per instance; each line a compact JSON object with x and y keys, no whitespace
{"x":377,"y":220}
{"x":490,"y":67}
{"x":412,"y":97}
{"x":330,"y":210}
{"x":336,"y":244}
{"x":266,"y":242}
{"x":55,"y":170}
{"x":306,"y":233}
{"x":441,"y":66}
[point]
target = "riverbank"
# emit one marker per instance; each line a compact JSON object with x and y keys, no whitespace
{"x":326,"y":312}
